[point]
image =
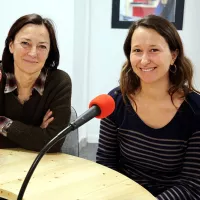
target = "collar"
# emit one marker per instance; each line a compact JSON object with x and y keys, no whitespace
{"x":11,"y":83}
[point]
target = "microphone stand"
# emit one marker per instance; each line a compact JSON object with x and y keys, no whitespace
{"x":85,"y":117}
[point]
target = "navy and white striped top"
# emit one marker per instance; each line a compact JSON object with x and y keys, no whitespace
{"x":165,"y":161}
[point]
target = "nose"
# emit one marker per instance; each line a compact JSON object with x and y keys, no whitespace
{"x":145,"y":59}
{"x":33,"y":51}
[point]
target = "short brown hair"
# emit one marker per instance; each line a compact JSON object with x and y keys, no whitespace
{"x":54,"y":56}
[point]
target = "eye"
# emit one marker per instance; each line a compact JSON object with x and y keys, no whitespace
{"x":25,"y":44}
{"x":42,"y":47}
{"x":154,"y":50}
{"x":136,"y":50}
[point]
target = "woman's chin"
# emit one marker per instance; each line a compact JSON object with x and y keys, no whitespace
{"x":149,"y":80}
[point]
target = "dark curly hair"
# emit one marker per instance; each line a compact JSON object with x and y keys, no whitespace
{"x":180,"y":81}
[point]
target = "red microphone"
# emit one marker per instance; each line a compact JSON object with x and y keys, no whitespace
{"x":105,"y":103}
{"x":100,"y":107}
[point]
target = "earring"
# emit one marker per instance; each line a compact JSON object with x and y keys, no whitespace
{"x":173,"y":69}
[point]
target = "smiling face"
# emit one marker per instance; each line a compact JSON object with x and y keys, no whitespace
{"x":30,"y":48}
{"x":150,"y":55}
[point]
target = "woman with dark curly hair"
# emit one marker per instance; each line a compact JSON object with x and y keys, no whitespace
{"x":153,"y":136}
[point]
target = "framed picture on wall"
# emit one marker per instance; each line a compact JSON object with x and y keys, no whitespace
{"x":124,"y":12}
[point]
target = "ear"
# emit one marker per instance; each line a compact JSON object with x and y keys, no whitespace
{"x":11,"y":48}
{"x":174,"y":56}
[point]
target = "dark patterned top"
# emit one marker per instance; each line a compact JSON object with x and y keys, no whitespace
{"x":166,"y":161}
{"x":11,"y":86}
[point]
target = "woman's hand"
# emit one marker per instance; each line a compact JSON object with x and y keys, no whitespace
{"x":47,"y":119}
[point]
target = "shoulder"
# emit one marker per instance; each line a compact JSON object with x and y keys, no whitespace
{"x":57,"y":82}
{"x":116,"y":94}
{"x":120,"y":107}
{"x":58,"y":77}
{"x":1,"y":70}
{"x":2,"y":74}
{"x":193,"y":98}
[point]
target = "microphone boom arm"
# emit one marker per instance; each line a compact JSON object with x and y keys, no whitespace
{"x":85,"y":117}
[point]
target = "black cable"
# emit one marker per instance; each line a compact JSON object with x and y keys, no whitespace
{"x":51,"y":143}
{"x":85,"y":117}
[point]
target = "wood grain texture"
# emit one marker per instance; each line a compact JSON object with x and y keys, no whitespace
{"x":60,"y":176}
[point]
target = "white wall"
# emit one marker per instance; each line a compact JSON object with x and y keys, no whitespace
{"x":60,"y":11}
{"x":81,"y":51}
{"x":106,"y":56}
{"x":190,"y":36}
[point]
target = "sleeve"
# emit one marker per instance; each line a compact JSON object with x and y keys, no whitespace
{"x":107,"y":152}
{"x":35,"y":138}
{"x":3,"y":123}
{"x":108,"y":146}
{"x":188,"y":185}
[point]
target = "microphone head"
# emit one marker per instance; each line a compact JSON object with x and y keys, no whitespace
{"x":106,"y":104}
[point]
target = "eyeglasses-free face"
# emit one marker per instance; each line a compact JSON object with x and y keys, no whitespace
{"x":150,"y":56}
{"x":30,"y":48}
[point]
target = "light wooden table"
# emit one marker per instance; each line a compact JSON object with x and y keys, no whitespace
{"x":64,"y":177}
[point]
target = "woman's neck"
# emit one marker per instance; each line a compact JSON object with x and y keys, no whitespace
{"x":24,"y":80}
{"x":155,"y":91}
